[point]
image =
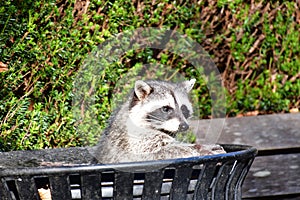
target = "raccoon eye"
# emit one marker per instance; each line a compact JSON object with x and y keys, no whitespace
{"x":167,"y":109}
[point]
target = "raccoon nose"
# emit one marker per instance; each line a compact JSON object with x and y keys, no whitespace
{"x":183,"y":126}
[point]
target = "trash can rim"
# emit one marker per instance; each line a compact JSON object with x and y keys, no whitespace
{"x":245,"y":152}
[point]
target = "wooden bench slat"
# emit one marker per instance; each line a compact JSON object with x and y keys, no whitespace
{"x":273,"y":175}
{"x":263,"y":132}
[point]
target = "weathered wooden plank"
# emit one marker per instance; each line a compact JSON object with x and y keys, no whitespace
{"x":270,"y":177}
{"x":273,"y":175}
{"x":263,"y":132}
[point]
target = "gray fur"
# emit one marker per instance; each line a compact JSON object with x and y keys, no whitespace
{"x":140,"y":131}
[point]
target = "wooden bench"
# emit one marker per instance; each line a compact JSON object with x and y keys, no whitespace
{"x":275,"y":173}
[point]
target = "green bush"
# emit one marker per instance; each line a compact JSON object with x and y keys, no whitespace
{"x":256,"y":47}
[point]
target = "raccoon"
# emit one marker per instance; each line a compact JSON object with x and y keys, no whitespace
{"x":145,"y":126}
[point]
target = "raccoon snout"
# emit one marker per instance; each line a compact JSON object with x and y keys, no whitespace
{"x":183,"y":127}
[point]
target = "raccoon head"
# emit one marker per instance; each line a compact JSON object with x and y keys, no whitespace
{"x":161,"y":105}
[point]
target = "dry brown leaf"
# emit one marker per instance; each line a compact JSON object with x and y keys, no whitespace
{"x":294,"y":110}
{"x":3,"y":67}
{"x":252,"y":113}
{"x":247,"y":114}
{"x":239,"y":115}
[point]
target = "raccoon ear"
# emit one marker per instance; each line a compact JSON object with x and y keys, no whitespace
{"x":142,"y":89}
{"x":188,"y":85}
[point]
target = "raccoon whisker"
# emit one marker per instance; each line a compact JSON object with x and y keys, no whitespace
{"x":157,"y":122}
{"x":154,"y":117}
{"x":152,"y":120}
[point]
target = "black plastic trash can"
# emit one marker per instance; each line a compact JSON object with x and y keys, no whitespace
{"x":69,"y":174}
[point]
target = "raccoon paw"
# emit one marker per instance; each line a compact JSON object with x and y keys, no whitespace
{"x":209,"y":149}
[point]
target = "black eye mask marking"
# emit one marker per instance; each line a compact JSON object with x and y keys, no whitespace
{"x":185,"y":111}
{"x":162,"y":114}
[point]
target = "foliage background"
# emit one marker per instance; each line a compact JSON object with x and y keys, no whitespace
{"x":255,"y":45}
